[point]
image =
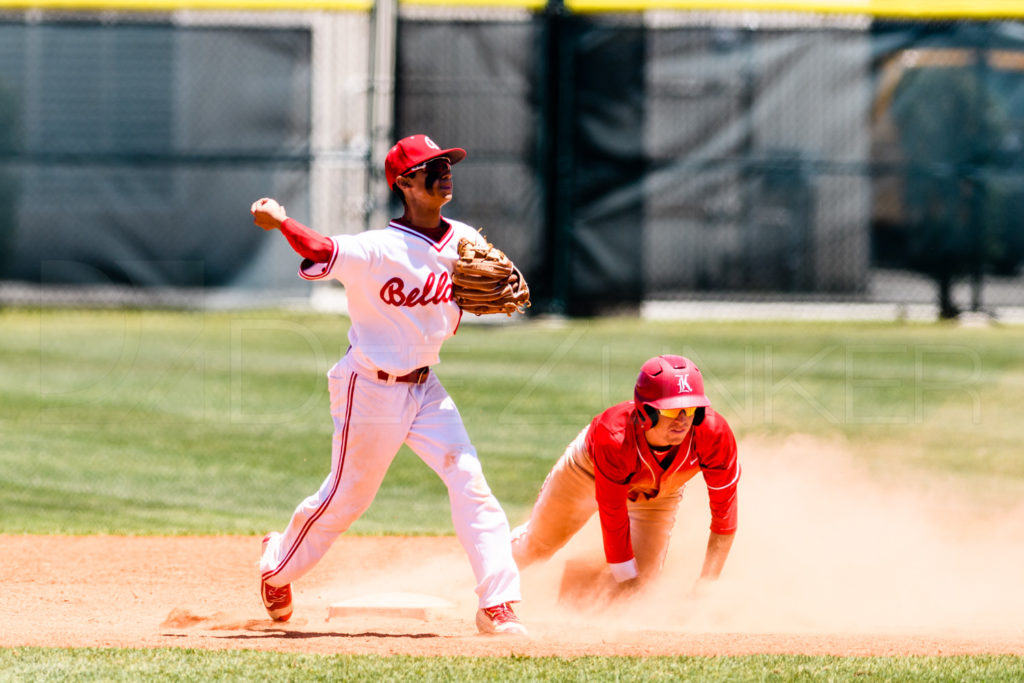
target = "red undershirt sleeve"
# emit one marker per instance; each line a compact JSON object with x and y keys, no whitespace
{"x":307,"y":242}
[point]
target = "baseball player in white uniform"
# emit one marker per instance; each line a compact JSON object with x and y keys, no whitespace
{"x":383,"y":392}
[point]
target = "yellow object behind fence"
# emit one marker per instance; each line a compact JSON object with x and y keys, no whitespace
{"x":910,"y":9}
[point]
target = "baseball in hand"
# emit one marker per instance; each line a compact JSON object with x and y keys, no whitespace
{"x":267,"y":213}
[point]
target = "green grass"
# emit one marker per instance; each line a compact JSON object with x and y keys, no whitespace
{"x":43,"y":664}
{"x":161,"y":422}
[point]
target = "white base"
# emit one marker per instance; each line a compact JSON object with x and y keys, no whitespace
{"x":408,"y":605}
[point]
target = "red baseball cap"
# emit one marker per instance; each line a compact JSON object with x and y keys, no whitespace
{"x":413,"y":151}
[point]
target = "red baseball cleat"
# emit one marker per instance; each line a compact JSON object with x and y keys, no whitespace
{"x":277,"y":600}
{"x":499,"y":619}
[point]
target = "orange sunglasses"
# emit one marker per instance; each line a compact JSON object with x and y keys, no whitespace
{"x":673,"y":413}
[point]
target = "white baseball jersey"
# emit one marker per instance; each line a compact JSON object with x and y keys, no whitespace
{"x":396,"y":280}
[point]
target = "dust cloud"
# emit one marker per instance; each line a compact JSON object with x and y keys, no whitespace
{"x":827,"y":546}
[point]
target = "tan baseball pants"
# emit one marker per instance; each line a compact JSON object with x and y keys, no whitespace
{"x":567,"y":501}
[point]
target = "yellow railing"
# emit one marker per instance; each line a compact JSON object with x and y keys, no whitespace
{"x":913,"y":9}
{"x":918,"y":9}
{"x":172,"y":5}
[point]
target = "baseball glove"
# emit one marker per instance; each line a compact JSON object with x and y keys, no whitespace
{"x":485,"y":280}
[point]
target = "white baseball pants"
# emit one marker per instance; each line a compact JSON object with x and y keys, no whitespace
{"x":372,"y":419}
{"x":567,"y":501}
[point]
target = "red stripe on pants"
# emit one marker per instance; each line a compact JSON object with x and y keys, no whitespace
{"x":337,"y":480}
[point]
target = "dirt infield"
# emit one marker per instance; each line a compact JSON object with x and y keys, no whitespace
{"x":202,"y":592}
{"x":828,"y":561}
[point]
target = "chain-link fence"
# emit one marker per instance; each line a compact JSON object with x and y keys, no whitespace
{"x":132,"y":145}
{"x":671,"y":162}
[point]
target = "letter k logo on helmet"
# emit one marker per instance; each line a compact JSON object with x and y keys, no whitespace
{"x":670,"y":381}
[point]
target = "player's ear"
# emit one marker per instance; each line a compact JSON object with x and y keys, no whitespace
{"x":397,"y":192}
{"x":652,"y":417}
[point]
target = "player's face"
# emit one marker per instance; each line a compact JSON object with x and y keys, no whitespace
{"x":670,"y":431}
{"x":432,"y":181}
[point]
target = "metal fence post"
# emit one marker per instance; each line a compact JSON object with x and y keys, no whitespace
{"x":381,"y":112}
{"x":556,"y":158}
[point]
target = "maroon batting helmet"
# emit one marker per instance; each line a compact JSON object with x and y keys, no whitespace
{"x":668,"y":382}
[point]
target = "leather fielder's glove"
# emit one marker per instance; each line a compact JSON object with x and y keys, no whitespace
{"x":484,"y":280}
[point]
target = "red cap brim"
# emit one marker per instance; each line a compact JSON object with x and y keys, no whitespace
{"x":455,"y":154}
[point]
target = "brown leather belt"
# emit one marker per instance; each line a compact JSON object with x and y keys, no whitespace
{"x":417,"y":376}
